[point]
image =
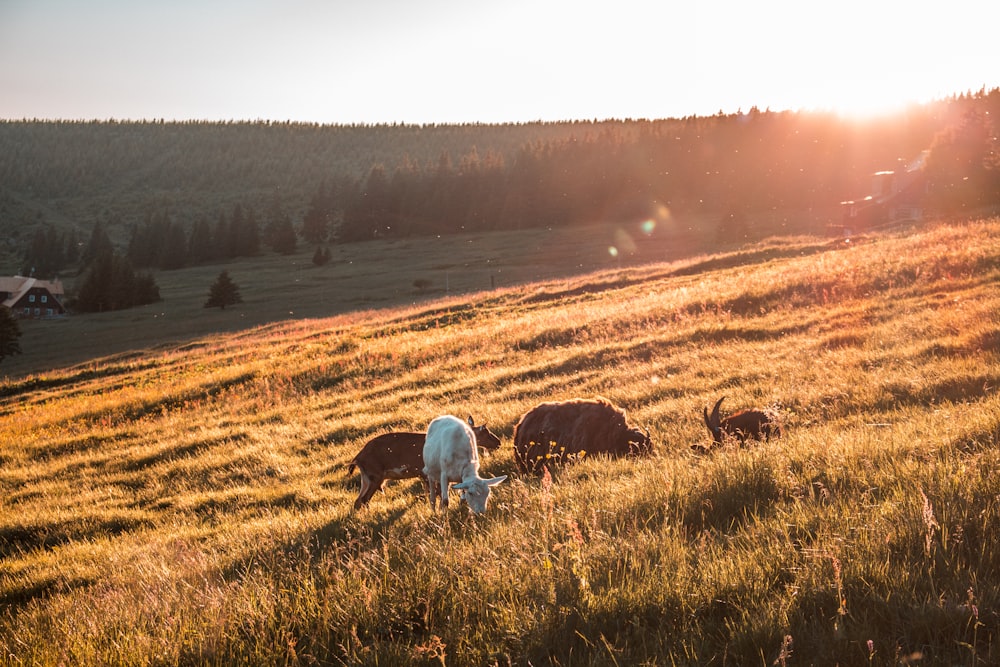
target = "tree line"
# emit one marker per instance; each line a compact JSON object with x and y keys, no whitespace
{"x":124,"y":170}
{"x":733,"y":167}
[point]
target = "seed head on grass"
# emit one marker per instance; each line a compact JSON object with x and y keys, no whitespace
{"x":785,"y":652}
{"x":930,"y":523}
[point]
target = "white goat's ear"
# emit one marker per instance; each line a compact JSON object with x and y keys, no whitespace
{"x":460,"y":485}
{"x":495,"y":480}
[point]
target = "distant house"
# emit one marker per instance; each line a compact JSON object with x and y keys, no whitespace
{"x":895,"y":196}
{"x":32,"y":298}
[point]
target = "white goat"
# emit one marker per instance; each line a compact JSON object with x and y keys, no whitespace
{"x":450,"y":455}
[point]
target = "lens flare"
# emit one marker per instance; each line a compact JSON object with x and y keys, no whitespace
{"x":624,"y":242}
{"x":613,"y":251}
{"x":648,"y":226}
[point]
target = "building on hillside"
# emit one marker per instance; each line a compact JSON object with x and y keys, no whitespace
{"x":896,"y":196}
{"x":32,"y":298}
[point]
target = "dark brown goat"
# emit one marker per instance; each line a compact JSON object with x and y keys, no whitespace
{"x":551,"y":432}
{"x":399,"y":455}
{"x":756,"y":424}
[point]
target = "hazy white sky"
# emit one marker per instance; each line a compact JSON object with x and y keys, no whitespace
{"x":445,"y":61}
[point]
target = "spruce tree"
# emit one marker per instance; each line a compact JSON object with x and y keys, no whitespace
{"x":200,"y":248}
{"x":224,"y":292}
{"x":174,"y":253}
{"x":281,"y":235}
{"x":98,"y":245}
{"x":112,"y":284}
{"x":321,"y":256}
{"x":316,"y":223}
{"x":10,"y":331}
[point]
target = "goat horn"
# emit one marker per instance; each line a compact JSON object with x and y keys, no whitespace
{"x":715,"y":419}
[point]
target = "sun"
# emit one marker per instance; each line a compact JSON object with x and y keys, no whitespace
{"x":871,"y":108}
{"x":871,"y":100}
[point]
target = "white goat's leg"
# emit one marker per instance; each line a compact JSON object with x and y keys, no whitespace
{"x":444,"y":492}
{"x":430,"y":493}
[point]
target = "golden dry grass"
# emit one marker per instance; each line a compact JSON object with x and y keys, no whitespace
{"x":190,"y":505}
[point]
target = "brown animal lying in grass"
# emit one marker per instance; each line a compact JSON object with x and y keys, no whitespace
{"x":756,"y":424}
{"x":399,"y":455}
{"x":551,"y":432}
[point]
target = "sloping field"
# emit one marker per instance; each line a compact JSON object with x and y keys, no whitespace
{"x":191,"y":505}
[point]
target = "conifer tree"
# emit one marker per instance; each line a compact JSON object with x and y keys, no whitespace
{"x":10,"y":331}
{"x":316,"y":222}
{"x":321,"y":256}
{"x":174,"y":253}
{"x":220,"y":238}
{"x":200,"y":244}
{"x":249,"y":236}
{"x":98,"y":244}
{"x":71,"y":247}
{"x":282,"y":236}
{"x":224,"y":292}
{"x":44,"y":257}
{"x":112,"y":284}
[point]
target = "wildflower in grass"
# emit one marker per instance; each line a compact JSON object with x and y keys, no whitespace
{"x":838,"y":581}
{"x":432,"y":649}
{"x":970,"y":604}
{"x":929,"y":522}
{"x":785,"y":653}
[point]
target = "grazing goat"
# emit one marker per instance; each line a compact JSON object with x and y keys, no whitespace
{"x":388,"y":456}
{"x":399,"y":455}
{"x":450,"y":455}
{"x":574,"y":428}
{"x":756,"y":424}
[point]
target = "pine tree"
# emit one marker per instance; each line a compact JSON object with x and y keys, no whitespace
{"x":200,"y":244}
{"x":174,"y":253}
{"x":960,"y":162}
{"x":249,"y":236}
{"x":244,"y":234}
{"x":71,"y":246}
{"x":281,"y":235}
{"x":43,"y":257}
{"x":224,"y":292}
{"x":220,"y":238}
{"x":98,"y":244}
{"x":10,"y":331}
{"x":93,"y":293}
{"x":321,"y":256}
{"x":316,"y":223}
{"x":112,"y":284}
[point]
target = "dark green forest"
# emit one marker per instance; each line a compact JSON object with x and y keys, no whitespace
{"x":171,"y":194}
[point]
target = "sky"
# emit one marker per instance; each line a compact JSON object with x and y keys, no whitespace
{"x":468,"y":61}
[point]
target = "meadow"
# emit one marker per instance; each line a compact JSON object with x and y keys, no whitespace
{"x":189,"y":503}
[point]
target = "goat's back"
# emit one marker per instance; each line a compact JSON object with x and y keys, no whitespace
{"x":450,"y":446}
{"x":568,"y":427}
{"x":398,"y":450}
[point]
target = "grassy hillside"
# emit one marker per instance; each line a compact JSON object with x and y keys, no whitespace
{"x":189,"y":504}
{"x":360,"y":276}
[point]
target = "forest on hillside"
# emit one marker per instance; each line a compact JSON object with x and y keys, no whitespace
{"x":187,"y":186}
